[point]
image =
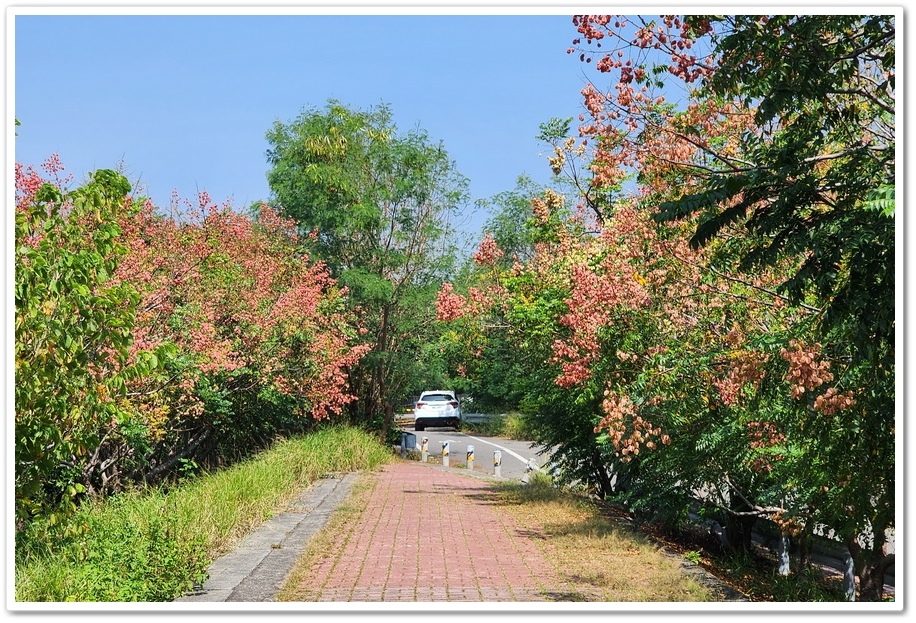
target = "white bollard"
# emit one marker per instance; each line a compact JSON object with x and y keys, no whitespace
{"x":471,"y":457}
{"x":445,"y":445}
{"x":530,"y":467}
{"x":424,"y":449}
{"x":497,"y":463}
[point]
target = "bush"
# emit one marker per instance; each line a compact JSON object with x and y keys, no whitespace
{"x":517,"y":426}
{"x":513,"y":425}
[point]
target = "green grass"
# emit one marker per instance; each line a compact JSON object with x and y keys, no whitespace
{"x":154,"y":544}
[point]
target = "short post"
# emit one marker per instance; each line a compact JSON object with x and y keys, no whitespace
{"x":530,"y":467}
{"x":470,"y":457}
{"x":445,"y":445}
{"x":424,"y":449}
{"x":497,"y":463}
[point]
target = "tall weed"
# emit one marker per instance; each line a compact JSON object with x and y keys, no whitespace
{"x":513,"y":425}
{"x":155,"y":544}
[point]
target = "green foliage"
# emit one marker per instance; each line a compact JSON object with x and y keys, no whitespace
{"x":516,"y":426}
{"x":513,"y":425}
{"x":73,"y":334}
{"x":379,"y":205}
{"x":554,"y":129}
{"x":375,"y":198}
{"x":817,"y":180}
{"x":510,"y":212}
{"x":882,"y":200}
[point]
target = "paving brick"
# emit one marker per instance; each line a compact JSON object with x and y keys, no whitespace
{"x":429,"y":534}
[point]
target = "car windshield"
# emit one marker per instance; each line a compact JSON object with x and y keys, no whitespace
{"x":436,"y":398}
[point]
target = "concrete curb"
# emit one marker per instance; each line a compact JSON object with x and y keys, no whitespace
{"x":258,"y":567}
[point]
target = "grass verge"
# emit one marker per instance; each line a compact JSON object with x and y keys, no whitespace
{"x":754,"y":574}
{"x":602,"y":560}
{"x":510,"y":426}
{"x":155,"y":544}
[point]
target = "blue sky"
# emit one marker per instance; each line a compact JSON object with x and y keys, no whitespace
{"x":184,"y":101}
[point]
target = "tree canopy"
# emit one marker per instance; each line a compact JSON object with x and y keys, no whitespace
{"x":380,"y":208}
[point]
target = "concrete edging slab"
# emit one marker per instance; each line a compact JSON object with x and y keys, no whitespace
{"x":258,"y":567}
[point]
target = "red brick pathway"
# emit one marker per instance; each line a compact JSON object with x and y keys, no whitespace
{"x":429,"y":534}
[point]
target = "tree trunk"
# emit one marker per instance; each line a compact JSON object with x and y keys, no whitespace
{"x":380,"y":380}
{"x":849,"y":578}
{"x":389,"y":417}
{"x":870,"y":569}
{"x":783,"y":554}
{"x":153,"y":474}
{"x":601,"y":476}
{"x":739,"y":531}
{"x":805,"y":546}
{"x":739,"y":528}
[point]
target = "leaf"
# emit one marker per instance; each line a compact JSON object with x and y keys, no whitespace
{"x":709,"y":228}
{"x":881,"y":200}
{"x":720,"y":190}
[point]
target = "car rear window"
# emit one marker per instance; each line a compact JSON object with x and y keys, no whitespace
{"x":436,"y":398}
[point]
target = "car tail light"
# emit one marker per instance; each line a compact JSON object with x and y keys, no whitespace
{"x":453,"y":404}
{"x":421,"y":404}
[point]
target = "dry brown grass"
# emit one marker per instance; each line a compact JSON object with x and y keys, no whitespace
{"x":600,"y":559}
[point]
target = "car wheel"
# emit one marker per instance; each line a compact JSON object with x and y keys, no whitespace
{"x":418,"y":427}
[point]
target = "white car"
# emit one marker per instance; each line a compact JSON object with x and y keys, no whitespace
{"x":437,"y":408}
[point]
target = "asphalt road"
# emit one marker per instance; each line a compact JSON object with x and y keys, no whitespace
{"x":515,"y":455}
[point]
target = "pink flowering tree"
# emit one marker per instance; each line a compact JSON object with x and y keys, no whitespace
{"x":148,"y":343}
{"x":781,"y":155}
{"x":257,"y":332}
{"x":666,"y":373}
{"x":646,"y":368}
